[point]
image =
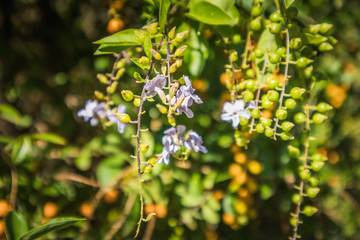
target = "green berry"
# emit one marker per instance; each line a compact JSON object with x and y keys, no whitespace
{"x":319,"y":118}
{"x":243,"y":121}
{"x":285,"y":136}
{"x":312,"y":191}
{"x":236,"y":39}
{"x":281,"y":114}
{"x":273,"y":95}
{"x":290,"y":103}
{"x":240,"y":142}
{"x":265,"y":122}
{"x":295,"y":43}
{"x":294,"y":152}
{"x":325,"y":46}
{"x":127,"y":95}
{"x":313,"y":181}
{"x":124,"y":117}
{"x":281,"y":51}
{"x":309,"y":210}
{"x":293,"y":221}
{"x":317,"y":157}
{"x":296,"y":198}
{"x":256,"y":11}
{"x":269,"y":132}
{"x":266,"y":103}
{"x":297,"y":92}
{"x":275,"y":17}
{"x":148,"y":168}
{"x":299,"y":118}
{"x":256,"y":24}
{"x":323,"y":107}
{"x":259,"y":53}
{"x":274,"y":58}
{"x":256,"y":113}
{"x":137,"y":102}
{"x":248,"y":96}
{"x":287,"y":126}
{"x":249,"y":73}
{"x":273,"y":83}
{"x":325,"y":27}
{"x":304,"y":174}
{"x":251,"y":85}
{"x":303,"y":62}
{"x":317,"y":166}
{"x":275,"y":28}
{"x":260,"y":128}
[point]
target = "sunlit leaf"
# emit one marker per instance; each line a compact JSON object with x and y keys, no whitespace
{"x":15,"y":225}
{"x":164,"y":7}
{"x":11,"y":114}
{"x":50,"y":137}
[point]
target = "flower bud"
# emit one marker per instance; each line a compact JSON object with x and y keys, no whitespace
{"x":314,"y":28}
{"x":112,"y":88}
{"x":273,"y":83}
{"x":163,"y":68}
{"x":179,"y":62}
{"x":180,"y":37}
{"x":102,"y":78}
{"x":138,"y":77}
{"x":120,"y":63}
{"x":229,"y":73}
{"x":259,"y":53}
{"x":173,"y":68}
{"x":120,"y":73}
{"x":265,"y":122}
{"x":312,"y":191}
{"x":172,"y":33}
{"x":317,"y":157}
{"x":171,"y":120}
{"x":274,"y":28}
{"x":152,"y":28}
{"x":243,"y":121}
{"x":144,"y":60}
{"x":162,"y":109}
{"x":127,"y":95}
{"x":294,"y":152}
{"x":240,"y":142}
{"x":148,"y":169}
{"x":123,"y":117}
{"x":309,"y":210}
{"x":179,"y":52}
{"x":234,"y":56}
{"x":325,"y":46}
{"x":155,"y":54}
{"x":287,"y":126}
{"x":319,"y":118}
{"x":174,"y":87}
{"x":137,"y":101}
{"x":144,"y":147}
{"x":274,"y":58}
{"x":99,"y":95}
{"x":325,"y":27}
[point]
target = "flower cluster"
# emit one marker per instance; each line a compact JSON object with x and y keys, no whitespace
{"x":232,"y":111}
{"x":94,"y":111}
{"x":175,"y":138}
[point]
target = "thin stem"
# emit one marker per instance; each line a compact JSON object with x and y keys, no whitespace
{"x":14,"y":186}
{"x":285,"y":78}
{"x":149,"y":229}
{"x":169,"y":76}
{"x":76,"y":178}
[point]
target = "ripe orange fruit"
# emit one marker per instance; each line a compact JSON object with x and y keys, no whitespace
{"x":333,"y":157}
{"x":267,"y":114}
{"x":4,"y":208}
{"x":161,"y":211}
{"x":118,"y":5}
{"x":240,"y":207}
{"x":224,"y":79}
{"x":254,"y":167}
{"x":228,"y":218}
{"x":111,"y":196}
{"x":86,"y":209}
{"x":115,"y":25}
{"x":218,"y":195}
{"x":235,"y":169}
{"x":241,"y":178}
{"x":2,"y":228}
{"x":200,"y":85}
{"x":243,"y":193}
{"x":50,"y":210}
{"x":150,"y":208}
{"x":240,"y":158}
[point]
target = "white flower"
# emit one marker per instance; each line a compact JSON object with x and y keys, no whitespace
{"x":232,"y":111}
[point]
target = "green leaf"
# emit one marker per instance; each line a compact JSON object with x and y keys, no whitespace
{"x":148,"y":46}
{"x":20,"y":148}
{"x":11,"y":114}
{"x":288,"y":3}
{"x":50,"y":137}
{"x":210,"y":13}
{"x":110,"y":49}
{"x":142,"y":66}
{"x":15,"y":226}
{"x":52,"y":225}
{"x":209,"y":215}
{"x":127,"y":37}
{"x":164,"y":7}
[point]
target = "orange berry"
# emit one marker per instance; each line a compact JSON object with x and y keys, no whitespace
{"x":241,"y":178}
{"x":224,"y":79}
{"x":118,"y":5}
{"x":240,"y":158}
{"x":45,"y":220}
{"x":240,"y":207}
{"x":161,"y":211}
{"x":200,"y":85}
{"x":115,"y":25}
{"x":333,"y":157}
{"x":267,"y":114}
{"x":207,"y":33}
{"x":235,"y":169}
{"x":50,"y":209}
{"x":4,"y":208}
{"x":228,"y":218}
{"x":2,"y":228}
{"x":254,"y":167}
{"x":243,"y":193}
{"x":150,"y":208}
{"x":234,"y":148}
{"x":218,"y":195}
{"x":111,"y":196}
{"x":86,"y":209}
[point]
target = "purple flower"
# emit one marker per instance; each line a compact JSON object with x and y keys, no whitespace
{"x":111,"y":116}
{"x":155,"y":86}
{"x":92,"y":111}
{"x":232,"y":111}
{"x":188,"y":91}
{"x":194,"y":142}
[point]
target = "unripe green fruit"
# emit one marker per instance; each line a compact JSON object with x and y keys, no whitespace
{"x":299,"y":118}
{"x":179,"y":52}
{"x":313,"y":181}
{"x":266,"y":103}
{"x":317,"y":166}
{"x":296,"y":198}
{"x":325,"y":27}
{"x":309,"y":210}
{"x":325,"y":46}
{"x":285,"y":136}
{"x":275,"y":28}
{"x":290,"y":103}
{"x":295,"y":43}
{"x":293,"y":221}
{"x":234,"y":56}
{"x":172,"y":33}
{"x":269,"y":132}
{"x":317,"y":157}
{"x":312,"y":191}
{"x":256,"y":113}
{"x":287,"y":126}
{"x":153,"y":160}
{"x":243,"y":121}
{"x":260,"y":128}
{"x":281,"y":51}
{"x":273,"y":83}
{"x":319,"y":118}
{"x":256,"y":11}
{"x":124,"y":117}
{"x":148,"y":168}
{"x":137,"y":102}
{"x":127,"y":95}
{"x":294,"y":152}
{"x":251,"y":85}
{"x":265,"y":122}
{"x":144,"y":147}
{"x":256,"y":24}
{"x":275,"y":17}
{"x":259,"y":53}
{"x":323,"y":107}
{"x":307,"y":72}
{"x":236,"y":39}
{"x":281,"y":114}
{"x":274,"y":58}
{"x":273,"y":95}
{"x":249,"y":73}
{"x":240,"y":142}
{"x":248,"y":96}
{"x":297,"y":92}
{"x":305,"y":174}
{"x":303,"y":62}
